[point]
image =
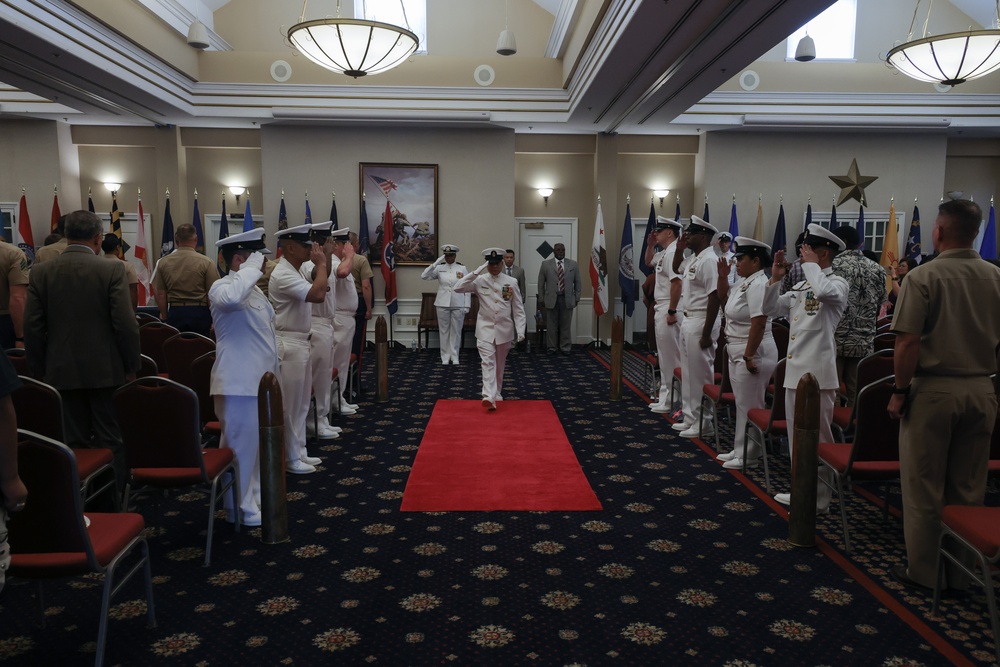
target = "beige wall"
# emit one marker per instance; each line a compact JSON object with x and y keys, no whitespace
{"x":973,"y":167}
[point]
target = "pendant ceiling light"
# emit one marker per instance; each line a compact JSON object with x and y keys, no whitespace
{"x":948,"y":59}
{"x":355,"y":47}
{"x":506,"y":45}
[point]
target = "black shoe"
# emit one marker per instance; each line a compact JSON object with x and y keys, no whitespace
{"x":899,"y":574}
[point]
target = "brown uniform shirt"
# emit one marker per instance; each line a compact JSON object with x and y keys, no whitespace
{"x":50,"y":251}
{"x":186,"y":276}
{"x":130,"y":274}
{"x":13,"y":271}
{"x":362,"y":270}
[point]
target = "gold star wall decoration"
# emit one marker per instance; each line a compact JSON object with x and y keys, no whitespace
{"x":853,"y":184}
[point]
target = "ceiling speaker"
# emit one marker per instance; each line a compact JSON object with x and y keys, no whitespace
{"x":749,"y":80}
{"x":484,"y":75}
{"x":281,"y":71}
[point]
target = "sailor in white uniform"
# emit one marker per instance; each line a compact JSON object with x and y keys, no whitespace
{"x":813,"y":307}
{"x":245,"y":349}
{"x":321,"y":340}
{"x":344,"y":324}
{"x":667,"y":310}
{"x":753,"y":355}
{"x":501,"y":320}
{"x":451,"y":306}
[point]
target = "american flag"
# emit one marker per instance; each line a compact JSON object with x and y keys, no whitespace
{"x":384,"y":184}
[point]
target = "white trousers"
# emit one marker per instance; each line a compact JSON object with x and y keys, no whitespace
{"x":827,"y":397}
{"x":343,"y":337}
{"x":668,"y":347}
{"x":749,"y":388}
{"x":698,"y":366}
{"x":494,"y":357}
{"x":296,"y":381}
{"x":450,"y":322}
{"x":321,"y":359}
{"x":240,"y":433}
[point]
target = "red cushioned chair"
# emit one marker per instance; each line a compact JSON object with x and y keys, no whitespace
{"x":182,"y":349}
{"x":19,"y":360}
{"x":38,"y":407}
{"x":718,"y":395}
{"x":885,"y":341}
{"x":779,"y":331}
{"x":874,"y":453}
{"x":977,"y":531}
{"x":151,"y":338}
{"x":145,"y":318}
{"x":147,"y":367}
{"x":49,"y":539}
{"x":201,"y":383}
{"x":767,"y":423}
{"x":165,"y":452}
{"x":872,"y":368}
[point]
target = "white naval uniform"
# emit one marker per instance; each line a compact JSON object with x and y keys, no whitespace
{"x":321,"y":348}
{"x":668,"y":336}
{"x":343,"y":322}
{"x":246,"y":348}
{"x":813,"y":307}
{"x":451,"y":307}
{"x":745,"y":302}
{"x":287,"y":290}
{"x":700,"y":279}
{"x":501,"y":321}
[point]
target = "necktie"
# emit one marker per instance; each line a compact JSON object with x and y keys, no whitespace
{"x":508,"y":271}
{"x":561,"y":276}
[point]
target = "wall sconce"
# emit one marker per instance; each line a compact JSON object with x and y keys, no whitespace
{"x":237,"y":190}
{"x":113,"y":187}
{"x":661,"y":194}
{"x":546,"y":193}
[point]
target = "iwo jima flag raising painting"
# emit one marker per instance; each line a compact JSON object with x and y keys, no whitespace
{"x":411,"y":190}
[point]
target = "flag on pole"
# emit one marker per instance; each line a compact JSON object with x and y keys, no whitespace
{"x":890,"y":246}
{"x":809,"y":215}
{"x":309,"y":215}
{"x":196,"y":221}
{"x":333,"y":213}
{"x":116,"y":227}
{"x":705,"y":217}
{"x":141,"y":259}
{"x":223,"y":220}
{"x":55,"y":210}
{"x":734,"y":225}
{"x":384,"y":184}
{"x":833,"y":215}
{"x":861,"y":225}
{"x":780,"y":241}
{"x":599,"y":265}
{"x":758,"y":225}
{"x":650,"y":222}
{"x":677,"y":210}
{"x":167,"y":240}
{"x":626,"y":264}
{"x":389,"y":263}
{"x":363,"y":241}
{"x":90,"y":202}
{"x":913,"y":240}
{"x":248,"y":216}
{"x":282,"y":221}
{"x":988,"y":249}
{"x":27,"y":239}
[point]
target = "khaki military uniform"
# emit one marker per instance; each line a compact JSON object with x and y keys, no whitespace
{"x":13,"y":271}
{"x":50,"y":251}
{"x":186,"y":276}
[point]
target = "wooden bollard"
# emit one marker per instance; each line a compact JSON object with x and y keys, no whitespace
{"x":382,"y":360}
{"x":805,"y":442}
{"x":273,"y":491}
{"x":617,"y":345}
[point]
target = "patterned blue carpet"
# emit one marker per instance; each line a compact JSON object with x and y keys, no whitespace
{"x":686,"y":565}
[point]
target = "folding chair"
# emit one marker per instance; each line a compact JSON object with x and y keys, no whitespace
{"x":767,"y":423}
{"x":147,"y":367}
{"x":182,"y":349}
{"x":201,"y":383}
{"x":151,"y":338}
{"x":50,"y":539}
{"x":872,"y":368}
{"x":166,"y":453}
{"x":428,"y":319}
{"x":718,"y":395}
{"x":874,"y":453}
{"x":19,"y":360}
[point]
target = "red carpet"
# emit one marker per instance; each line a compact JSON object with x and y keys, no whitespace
{"x":517,"y":458}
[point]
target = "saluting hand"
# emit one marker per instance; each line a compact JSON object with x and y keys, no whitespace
{"x":778,"y":269}
{"x":316,"y":255}
{"x":807,"y":255}
{"x":348,"y":251}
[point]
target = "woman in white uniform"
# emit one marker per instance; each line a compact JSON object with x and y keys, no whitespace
{"x":451,"y":306}
{"x":753,"y":355}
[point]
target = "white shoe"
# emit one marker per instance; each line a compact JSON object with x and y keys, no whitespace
{"x":251,"y":519}
{"x":352,"y":406}
{"x":695,"y":432}
{"x":327,"y":433}
{"x":786,"y":499}
{"x":344,"y":410}
{"x":728,"y":456}
{"x":336,"y":429}
{"x":658,"y":408}
{"x":737,"y":464}
{"x":311,"y":460}
{"x":680,"y":426}
{"x":298,"y":468}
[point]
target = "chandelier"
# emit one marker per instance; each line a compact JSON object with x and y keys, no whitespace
{"x":948,"y":59}
{"x":355,"y":47}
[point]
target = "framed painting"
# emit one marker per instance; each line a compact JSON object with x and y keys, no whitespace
{"x":410,"y":192}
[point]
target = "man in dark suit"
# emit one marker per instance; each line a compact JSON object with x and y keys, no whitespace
{"x":559,"y":288}
{"x":81,"y":336}
{"x":514,"y":271}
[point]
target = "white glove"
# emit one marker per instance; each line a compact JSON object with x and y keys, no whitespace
{"x":520,"y":339}
{"x":440,"y":261}
{"x":483,"y":266}
{"x":256,"y":260}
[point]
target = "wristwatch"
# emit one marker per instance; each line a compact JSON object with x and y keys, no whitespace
{"x":900,"y":390}
{"x":671,"y":311}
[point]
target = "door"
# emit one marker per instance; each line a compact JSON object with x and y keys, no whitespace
{"x":536,"y":238}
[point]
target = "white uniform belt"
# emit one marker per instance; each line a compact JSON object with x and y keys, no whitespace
{"x":691,"y":313}
{"x":322,"y":318}
{"x":347,"y":313}
{"x":293,"y":335}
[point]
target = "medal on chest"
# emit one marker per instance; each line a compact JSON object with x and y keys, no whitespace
{"x":811,"y":303}
{"x":459,"y":275}
{"x":507,"y":292}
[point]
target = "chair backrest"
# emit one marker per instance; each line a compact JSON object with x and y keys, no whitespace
{"x":876,"y":437}
{"x":778,"y":403}
{"x":779,"y":332}
{"x":52,"y":519}
{"x":428,"y":313}
{"x":885,"y":341}
{"x":180,"y":350}
{"x":151,"y":338}
{"x":38,"y":407}
{"x":472,"y":315}
{"x":875,"y":367}
{"x":146,"y":318}
{"x":201,"y":383}
{"x":159,"y":424}
{"x":19,"y":360}
{"x":722,"y":355}
{"x":147,"y":367}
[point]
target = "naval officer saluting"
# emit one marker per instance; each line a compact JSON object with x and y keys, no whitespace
{"x":501,"y":320}
{"x":451,"y":306}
